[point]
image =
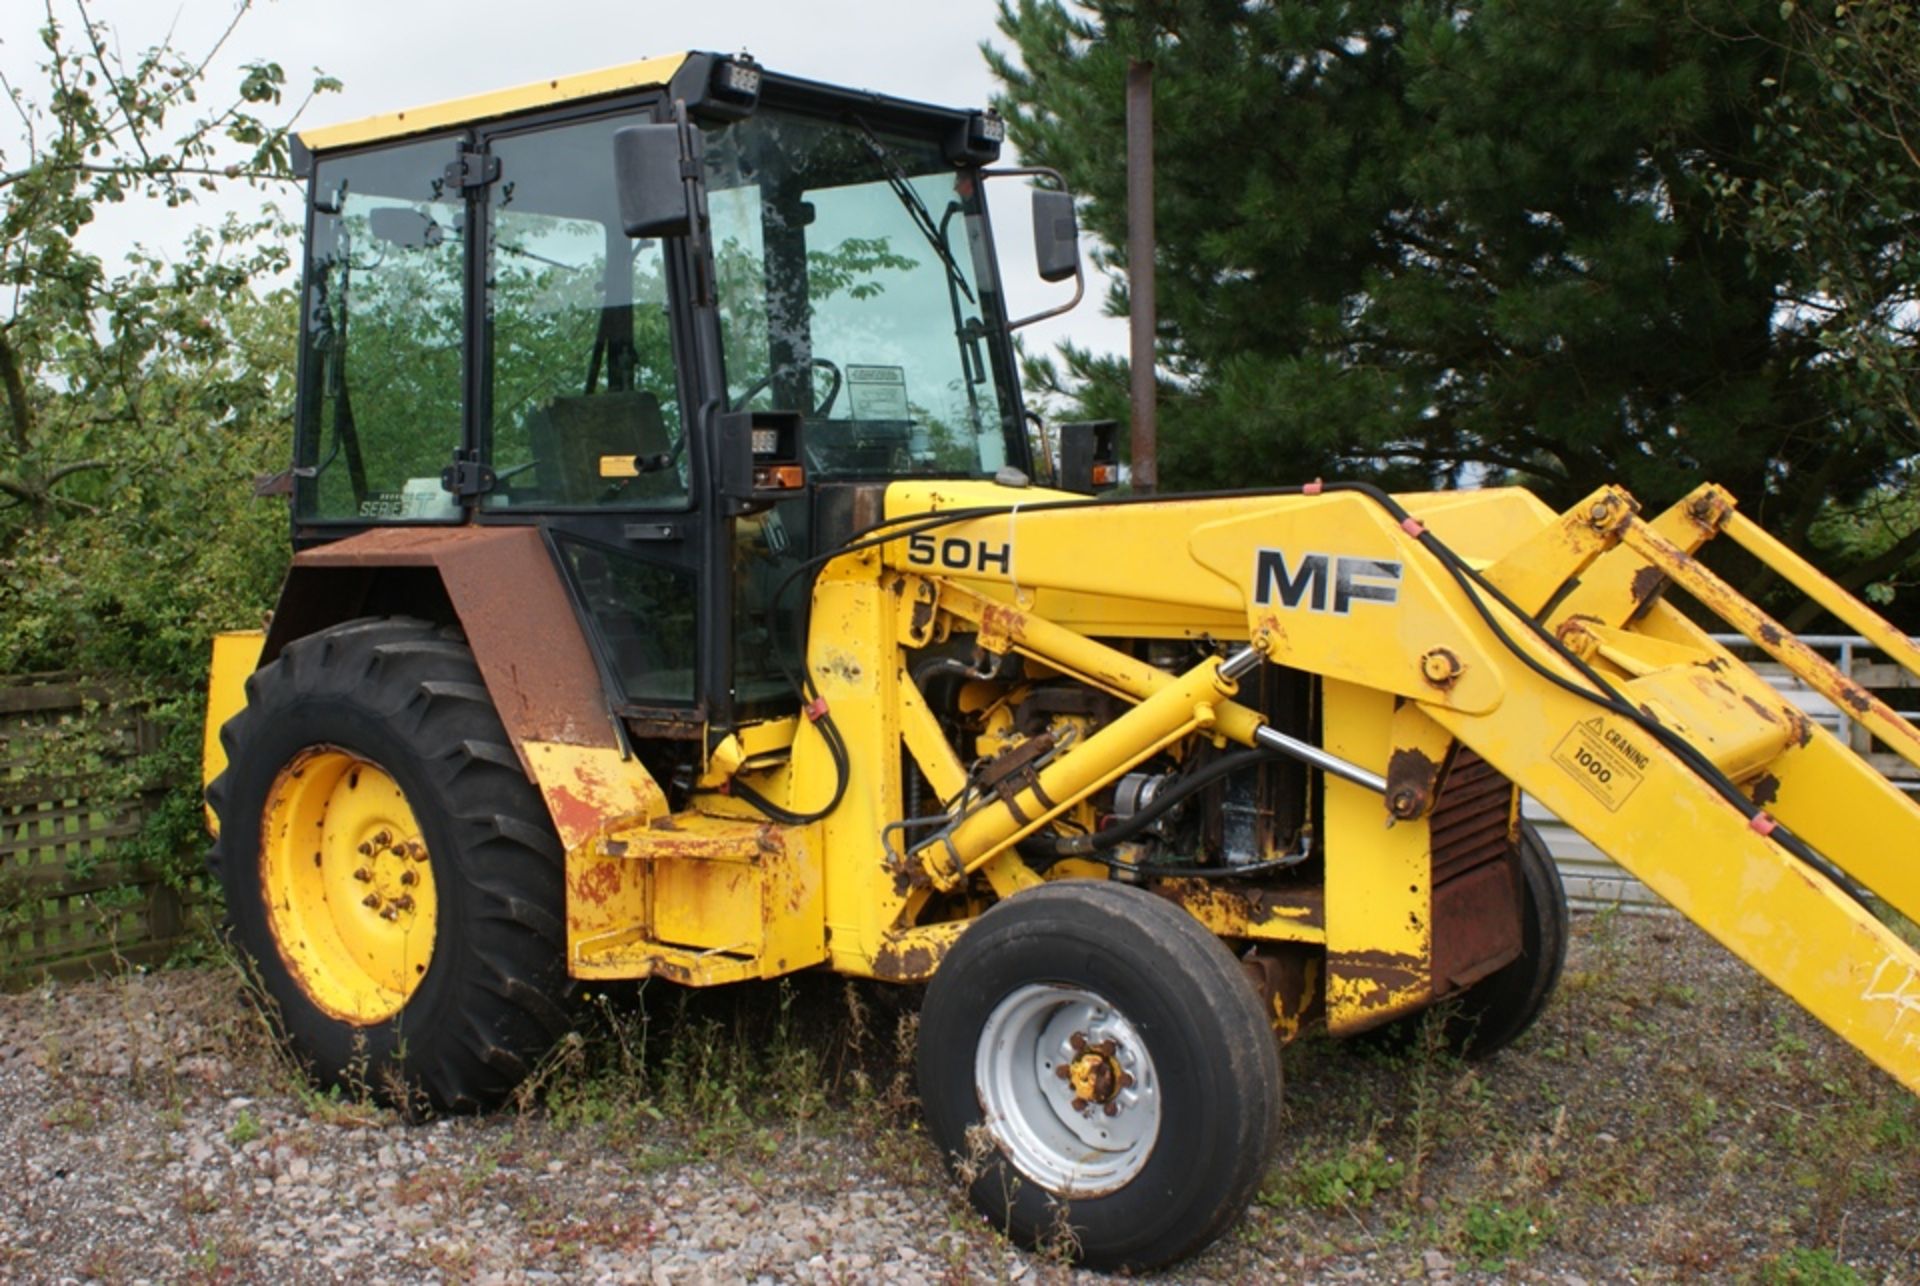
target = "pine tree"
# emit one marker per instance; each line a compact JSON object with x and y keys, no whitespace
{"x":1435,"y":243}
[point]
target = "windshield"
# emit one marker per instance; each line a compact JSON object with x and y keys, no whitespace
{"x":853,"y":286}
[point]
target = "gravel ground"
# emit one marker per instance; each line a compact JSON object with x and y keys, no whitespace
{"x":1669,"y":1119}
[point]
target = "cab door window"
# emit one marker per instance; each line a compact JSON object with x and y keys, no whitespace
{"x":383,"y":337}
{"x":585,"y":408}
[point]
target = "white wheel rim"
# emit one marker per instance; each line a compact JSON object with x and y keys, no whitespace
{"x":1067,"y":1089}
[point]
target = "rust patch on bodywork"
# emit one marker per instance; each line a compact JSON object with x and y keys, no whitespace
{"x":1411,"y":777}
{"x":509,"y":599}
{"x":596,"y":882}
{"x":1854,"y":697}
{"x":1230,"y":910}
{"x":1766,"y":789}
{"x":1648,"y":584}
{"x":1289,"y":982}
{"x":904,"y":964}
{"x":1377,"y":986}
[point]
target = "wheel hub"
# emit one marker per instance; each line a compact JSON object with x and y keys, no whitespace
{"x":1067,"y":1089}
{"x":1095,"y":1074}
{"x":348,"y":884}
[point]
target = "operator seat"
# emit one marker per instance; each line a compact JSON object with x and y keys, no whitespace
{"x":572,"y":436}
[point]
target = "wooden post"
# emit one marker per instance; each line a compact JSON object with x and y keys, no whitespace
{"x":1144,"y":447}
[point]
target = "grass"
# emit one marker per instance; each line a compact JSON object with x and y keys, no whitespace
{"x":1669,"y":1118}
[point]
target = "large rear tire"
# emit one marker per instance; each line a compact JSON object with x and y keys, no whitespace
{"x":1498,"y":1010}
{"x":389,"y":871}
{"x":1099,"y":1071}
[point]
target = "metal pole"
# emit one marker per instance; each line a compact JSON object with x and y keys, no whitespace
{"x":1145,"y":463}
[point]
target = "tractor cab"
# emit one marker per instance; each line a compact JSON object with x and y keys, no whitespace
{"x":685,"y":318}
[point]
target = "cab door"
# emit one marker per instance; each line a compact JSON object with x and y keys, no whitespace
{"x":586,"y":414}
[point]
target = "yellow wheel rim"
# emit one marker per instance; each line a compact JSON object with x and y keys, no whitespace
{"x":347,"y":884}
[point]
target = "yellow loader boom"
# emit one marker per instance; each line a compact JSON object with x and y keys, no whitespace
{"x":1540,"y":644}
{"x":756,"y":651}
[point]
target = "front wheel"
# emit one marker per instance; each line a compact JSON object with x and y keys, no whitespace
{"x":1098,"y":1070}
{"x":389,"y":871}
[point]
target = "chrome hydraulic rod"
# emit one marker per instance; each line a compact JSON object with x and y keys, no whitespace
{"x":1243,"y":662}
{"x":1307,"y":753}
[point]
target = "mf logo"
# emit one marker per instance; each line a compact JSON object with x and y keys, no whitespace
{"x":1328,"y":582}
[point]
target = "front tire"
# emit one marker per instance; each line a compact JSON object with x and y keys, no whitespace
{"x":1098,"y":1070}
{"x":389,"y":870}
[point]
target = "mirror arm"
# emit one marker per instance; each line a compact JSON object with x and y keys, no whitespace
{"x":1026,"y":172}
{"x":1079,"y":271}
{"x":1079,"y":293}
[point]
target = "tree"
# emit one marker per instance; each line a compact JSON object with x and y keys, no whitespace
{"x":140,"y":397}
{"x":78,"y":343}
{"x":1839,"y":205}
{"x":1435,"y":243}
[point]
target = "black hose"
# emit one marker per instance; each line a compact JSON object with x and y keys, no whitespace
{"x":1603,"y":693}
{"x":1125,"y":829}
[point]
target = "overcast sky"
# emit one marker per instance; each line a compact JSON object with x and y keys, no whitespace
{"x":394,"y":54}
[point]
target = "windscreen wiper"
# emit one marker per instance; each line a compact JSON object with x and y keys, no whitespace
{"x":915,"y":207}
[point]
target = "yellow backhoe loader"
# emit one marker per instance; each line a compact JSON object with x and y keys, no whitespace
{"x":672,"y":598}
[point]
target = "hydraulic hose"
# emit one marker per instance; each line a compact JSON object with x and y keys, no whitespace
{"x":1125,"y":829}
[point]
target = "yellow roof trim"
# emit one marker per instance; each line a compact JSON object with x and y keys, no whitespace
{"x":501,"y":102}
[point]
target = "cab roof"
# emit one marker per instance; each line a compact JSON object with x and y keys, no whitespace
{"x":645,"y":74}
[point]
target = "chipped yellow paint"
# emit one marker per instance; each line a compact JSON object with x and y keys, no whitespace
{"x":1379,"y":885}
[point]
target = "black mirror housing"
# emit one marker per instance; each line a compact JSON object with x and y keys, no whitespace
{"x":653,"y":188}
{"x":1056,"y":235}
{"x":759,"y":459}
{"x":1089,"y":456}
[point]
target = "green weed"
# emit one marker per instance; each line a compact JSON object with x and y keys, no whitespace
{"x":1493,"y":1234}
{"x":1804,"y":1267}
{"x":245,"y":1128}
{"x":1351,"y":1181}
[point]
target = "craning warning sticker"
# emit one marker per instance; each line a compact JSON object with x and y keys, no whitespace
{"x":1602,"y":759}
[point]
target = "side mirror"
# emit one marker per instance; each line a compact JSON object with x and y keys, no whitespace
{"x":1056,"y":235}
{"x":653,"y":191}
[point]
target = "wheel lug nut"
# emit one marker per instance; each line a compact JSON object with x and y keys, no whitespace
{"x":363,"y":875}
{"x":1079,"y":1104}
{"x":372,"y":899}
{"x":1078,"y":1041}
{"x":390,"y":912}
{"x":404,"y":902}
{"x":398,"y":850}
{"x":1063,"y":1071}
{"x":408,"y":877}
{"x":366,"y":850}
{"x":383,"y":839}
{"x":1111,"y":1109}
{"x":1126,"y":1080}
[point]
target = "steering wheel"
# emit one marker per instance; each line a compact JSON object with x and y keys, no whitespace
{"x":833,"y":389}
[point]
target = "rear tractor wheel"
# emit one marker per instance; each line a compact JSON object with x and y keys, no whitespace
{"x":390,"y":872}
{"x":1101,"y":1075}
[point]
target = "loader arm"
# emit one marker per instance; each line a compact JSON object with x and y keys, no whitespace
{"x":1540,"y":643}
